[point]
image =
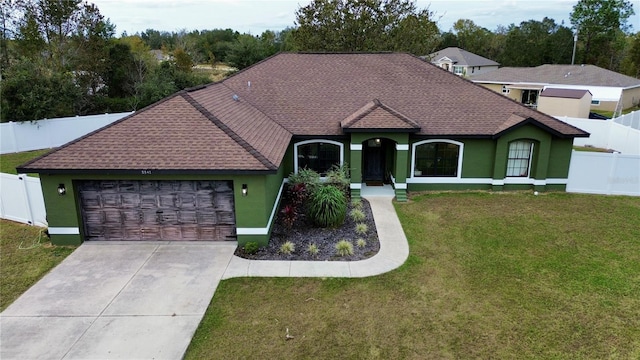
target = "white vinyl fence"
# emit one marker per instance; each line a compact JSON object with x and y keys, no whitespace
{"x":604,"y":173}
{"x":631,"y":119}
{"x":50,"y":133}
{"x":21,"y":199}
{"x":609,"y":134}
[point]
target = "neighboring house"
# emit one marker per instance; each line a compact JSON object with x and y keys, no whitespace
{"x":565,"y":102}
{"x":610,"y":90}
{"x":462,"y":62}
{"x":210,"y":163}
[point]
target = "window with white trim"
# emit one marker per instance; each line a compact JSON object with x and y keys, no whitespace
{"x":519,"y":159}
{"x":436,"y":158}
{"x":458,"y":70}
{"x":318,"y":155}
{"x":595,"y":102}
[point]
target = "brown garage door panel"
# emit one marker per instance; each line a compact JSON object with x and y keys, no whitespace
{"x":157,"y":210}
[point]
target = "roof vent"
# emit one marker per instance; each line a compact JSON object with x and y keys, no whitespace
{"x":235,"y":97}
{"x":248,"y":84}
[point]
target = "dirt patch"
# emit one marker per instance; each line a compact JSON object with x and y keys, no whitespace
{"x":303,"y":234}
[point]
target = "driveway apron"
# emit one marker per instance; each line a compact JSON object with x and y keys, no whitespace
{"x":116,"y":301}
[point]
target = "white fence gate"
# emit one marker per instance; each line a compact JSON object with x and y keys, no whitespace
{"x":45,"y":134}
{"x":604,"y":173}
{"x":21,"y":199}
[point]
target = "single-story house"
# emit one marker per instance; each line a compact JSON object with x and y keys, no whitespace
{"x":611,"y":91}
{"x":565,"y":102}
{"x":462,"y":62}
{"x":210,"y":163}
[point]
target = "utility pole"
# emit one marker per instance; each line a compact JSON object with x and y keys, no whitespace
{"x":575,"y":42}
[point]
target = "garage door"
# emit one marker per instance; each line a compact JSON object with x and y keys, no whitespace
{"x":157,"y":210}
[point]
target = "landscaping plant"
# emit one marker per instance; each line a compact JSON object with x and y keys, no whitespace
{"x":362,"y":228}
{"x":327,"y":206}
{"x":361,"y":243}
{"x":287,"y":247}
{"x":357,"y":215}
{"x":313,"y":249}
{"x":344,"y":248}
{"x":251,"y":247}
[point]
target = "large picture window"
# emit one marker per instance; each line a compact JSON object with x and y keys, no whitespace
{"x":519,"y":160}
{"x":318,"y":155}
{"x":436,"y":159}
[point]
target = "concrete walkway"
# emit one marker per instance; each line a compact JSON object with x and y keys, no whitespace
{"x":394,"y":251}
{"x":143,"y":300}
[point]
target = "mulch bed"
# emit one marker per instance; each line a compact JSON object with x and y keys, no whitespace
{"x":303,"y":233}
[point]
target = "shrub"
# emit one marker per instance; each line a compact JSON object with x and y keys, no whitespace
{"x":357,"y":215}
{"x":338,"y":176}
{"x":356,"y":203}
{"x":312,"y":249}
{"x":344,"y":248}
{"x":251,"y":247}
{"x":327,"y":206}
{"x":289,"y":216}
{"x":361,"y":228}
{"x":361,"y":243}
{"x":306,"y":176}
{"x":298,"y":194}
{"x":287,"y":248}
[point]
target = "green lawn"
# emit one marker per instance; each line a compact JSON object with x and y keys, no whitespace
{"x":25,"y":256}
{"x":8,"y":162}
{"x":490,"y":275}
{"x":590,"y":149}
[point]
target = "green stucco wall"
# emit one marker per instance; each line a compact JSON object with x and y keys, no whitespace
{"x":252,"y":211}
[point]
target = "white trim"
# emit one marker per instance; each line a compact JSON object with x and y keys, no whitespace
{"x":355,"y":186}
{"x":400,"y":186}
{"x":495,"y":182}
{"x":448,"y":180}
{"x":295,"y":150}
{"x":557,"y":181}
{"x":355,"y":147}
{"x":402,"y":147}
{"x":264,"y":230}
{"x":64,"y":231}
{"x":413,"y":161}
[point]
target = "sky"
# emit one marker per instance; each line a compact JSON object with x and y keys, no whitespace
{"x":256,"y":16}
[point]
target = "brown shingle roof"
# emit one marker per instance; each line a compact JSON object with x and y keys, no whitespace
{"x":247,"y":121}
{"x":170,"y":135}
{"x":377,"y":116}
{"x":586,"y":75}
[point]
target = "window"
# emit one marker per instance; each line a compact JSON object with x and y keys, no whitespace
{"x":505,"y":89}
{"x":595,"y":102}
{"x":530,"y":98}
{"x":318,"y":155}
{"x":519,"y":161}
{"x":434,"y":158}
{"x":458,"y":70}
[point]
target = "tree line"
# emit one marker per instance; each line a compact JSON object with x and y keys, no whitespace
{"x":61,"y":58}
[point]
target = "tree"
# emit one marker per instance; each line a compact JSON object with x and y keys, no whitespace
{"x":599,"y":18}
{"x":472,"y":37}
{"x":631,"y":62}
{"x":247,"y":51}
{"x":365,"y":25}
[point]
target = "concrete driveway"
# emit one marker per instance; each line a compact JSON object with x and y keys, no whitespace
{"x":117,"y":301}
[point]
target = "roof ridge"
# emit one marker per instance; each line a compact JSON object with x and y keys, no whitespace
{"x":398,"y":114}
{"x":366,"y":110}
{"x":98,"y":130}
{"x":255,"y":107}
{"x":232,"y":134}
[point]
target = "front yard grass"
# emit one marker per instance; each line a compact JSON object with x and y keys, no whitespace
{"x":490,"y":275}
{"x":8,"y":162}
{"x":25,"y":256}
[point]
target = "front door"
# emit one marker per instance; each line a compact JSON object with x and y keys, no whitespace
{"x":373,"y":161}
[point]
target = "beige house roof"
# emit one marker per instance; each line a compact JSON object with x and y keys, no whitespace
{"x":461,"y":57}
{"x":564,"y":93}
{"x":586,"y":75}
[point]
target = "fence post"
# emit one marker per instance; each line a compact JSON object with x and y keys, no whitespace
{"x":25,"y":191}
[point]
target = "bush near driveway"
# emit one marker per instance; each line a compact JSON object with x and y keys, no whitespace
{"x":490,"y":275}
{"x":26,"y":255}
